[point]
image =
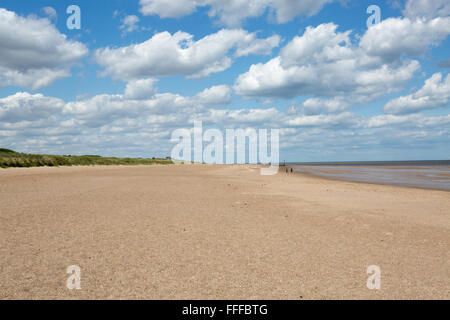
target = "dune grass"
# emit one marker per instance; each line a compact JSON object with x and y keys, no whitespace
{"x":10,"y":158}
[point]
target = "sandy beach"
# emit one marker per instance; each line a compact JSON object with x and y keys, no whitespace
{"x":217,"y":232}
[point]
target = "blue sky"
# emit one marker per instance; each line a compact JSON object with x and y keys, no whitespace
{"x":139,"y":69}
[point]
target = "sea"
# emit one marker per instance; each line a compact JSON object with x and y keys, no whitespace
{"x":427,"y":174}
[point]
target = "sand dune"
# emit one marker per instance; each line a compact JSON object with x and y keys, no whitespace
{"x":217,"y":232}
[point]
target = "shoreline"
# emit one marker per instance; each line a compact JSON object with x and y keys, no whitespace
{"x":281,"y":168}
{"x":328,"y":175}
{"x":314,"y":176}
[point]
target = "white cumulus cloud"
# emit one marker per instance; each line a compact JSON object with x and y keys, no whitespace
{"x":129,"y":23}
{"x":168,"y":54}
{"x":51,"y":13}
{"x":233,"y":12}
{"x":427,"y":8}
{"x":215,"y":96}
{"x":434,"y":94}
{"x":33,"y":53}
{"x":140,"y":89}
{"x":316,"y":106}
{"x":24,"y":106}
{"x":394,"y":37}
{"x":326,"y":63}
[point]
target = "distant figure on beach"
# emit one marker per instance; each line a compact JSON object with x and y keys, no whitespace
{"x":292,"y":170}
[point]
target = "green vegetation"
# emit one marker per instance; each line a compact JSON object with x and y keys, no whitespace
{"x":9,"y":158}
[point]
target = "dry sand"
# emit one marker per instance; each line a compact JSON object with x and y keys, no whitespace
{"x":217,"y":232}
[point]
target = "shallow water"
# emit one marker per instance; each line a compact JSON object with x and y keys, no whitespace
{"x":428,"y":175}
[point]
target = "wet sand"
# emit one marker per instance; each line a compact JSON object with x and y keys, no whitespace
{"x":217,"y":232}
{"x":422,"y":177}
